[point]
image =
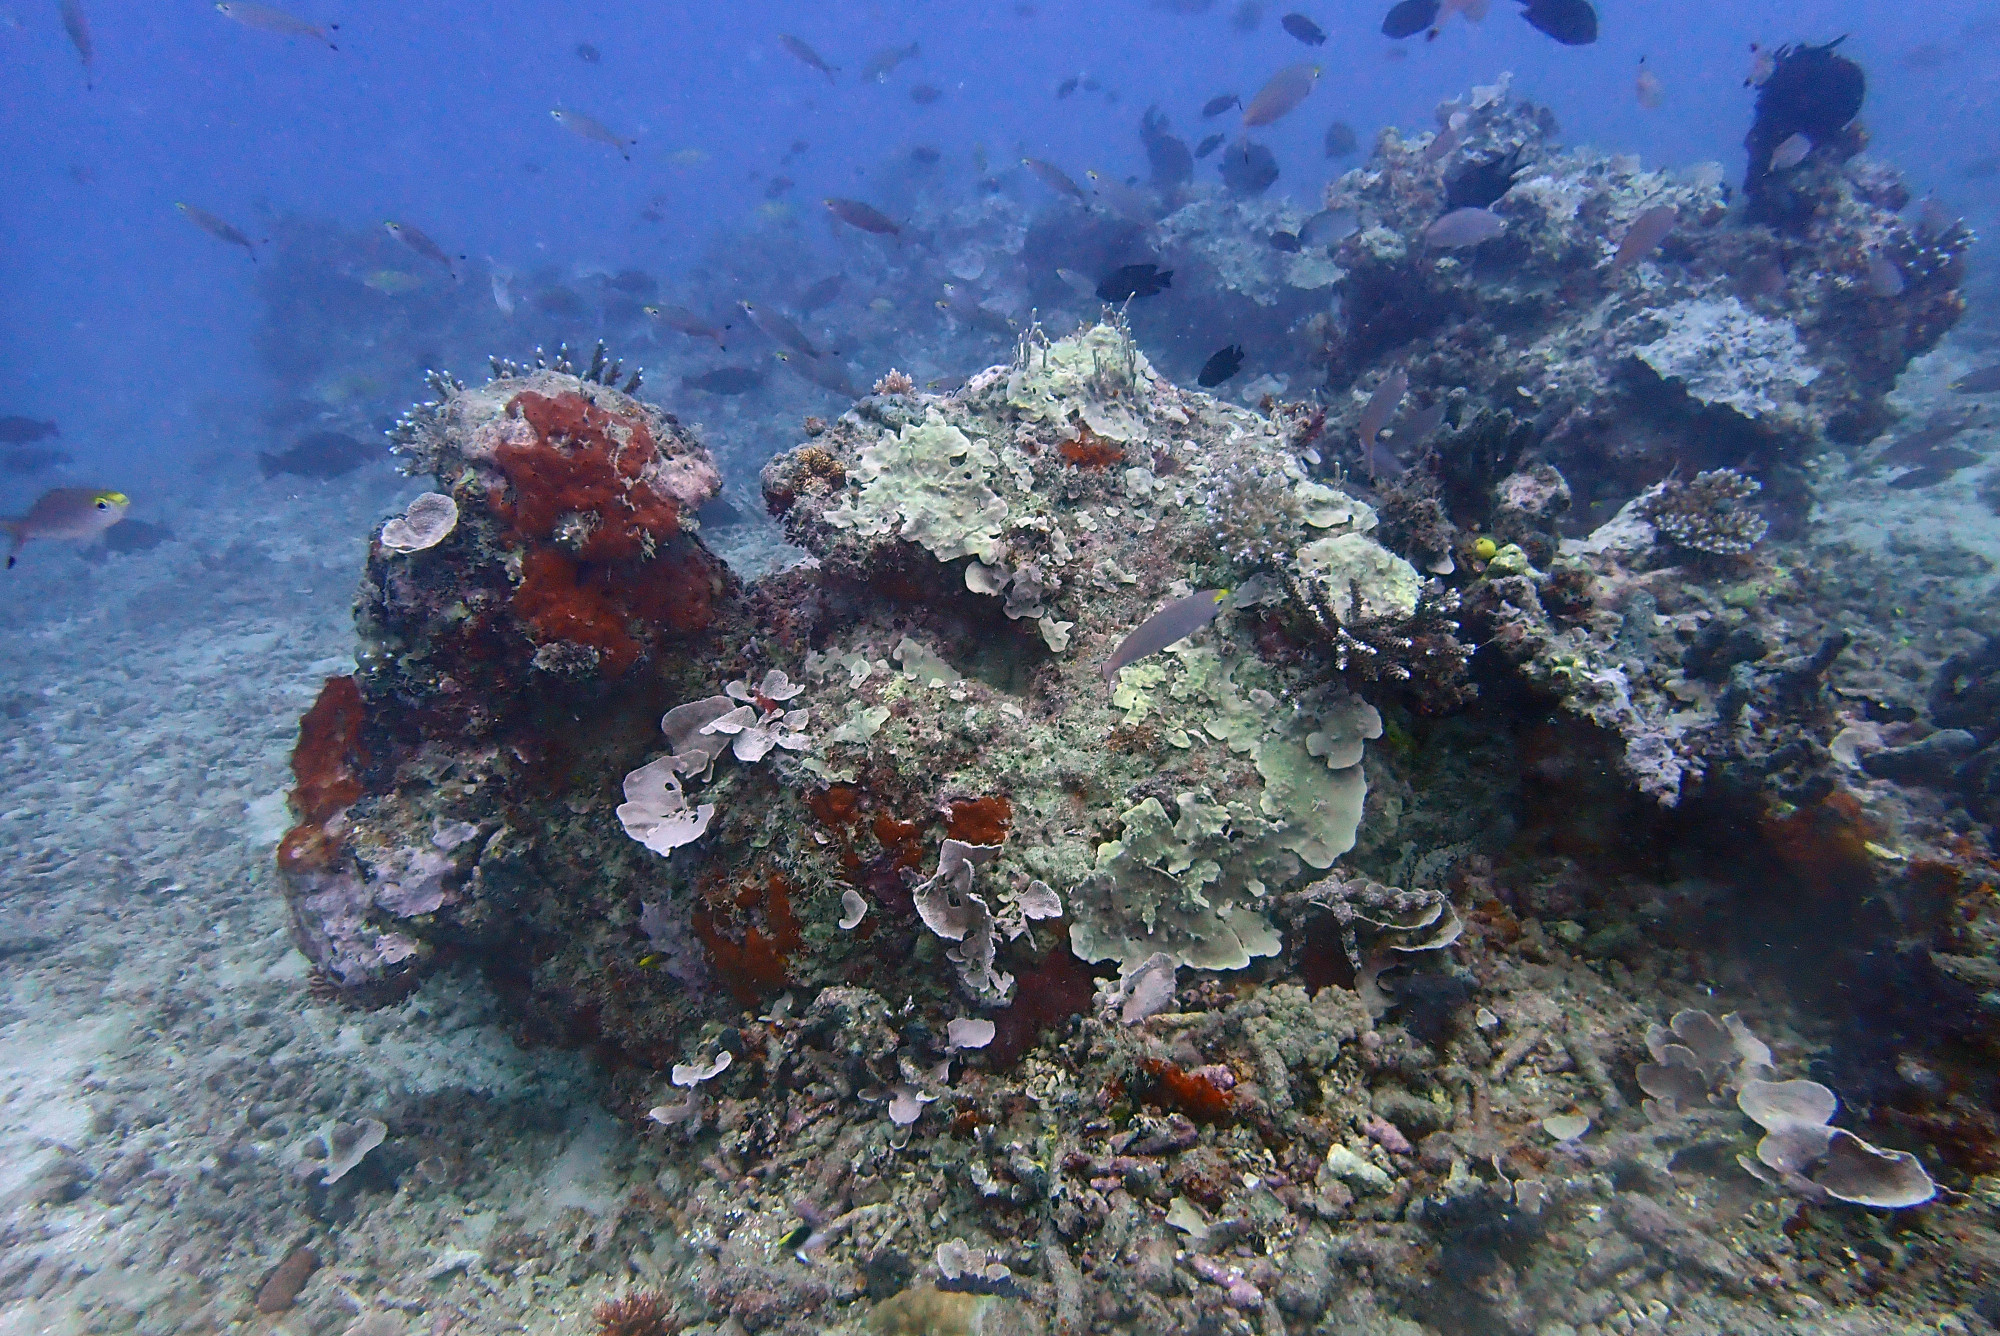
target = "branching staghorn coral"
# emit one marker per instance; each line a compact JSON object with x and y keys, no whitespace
{"x":1707,"y":514}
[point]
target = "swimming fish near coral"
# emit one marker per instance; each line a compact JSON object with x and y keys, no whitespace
{"x":1648,"y":230}
{"x":76,"y":513}
{"x":1375,"y":414}
{"x":1341,"y":141}
{"x":1128,"y":281}
{"x":779,"y":330}
{"x":1288,"y":242}
{"x":589,"y":127}
{"x":318,"y":454}
{"x":828,"y":372}
{"x":1224,"y":364}
{"x":686,"y":321}
{"x":1209,"y":144}
{"x":1464,"y":227}
{"x":1790,"y":153}
{"x":1281,"y":94}
{"x":1218,"y":104}
{"x":1173,"y":623}
{"x":1054,"y":177}
{"x":1303,"y":28}
{"x":806,"y":55}
{"x":266,"y":19}
{"x":725,"y":380}
{"x":864,"y":216}
{"x":217,"y":228}
{"x":422,"y":245}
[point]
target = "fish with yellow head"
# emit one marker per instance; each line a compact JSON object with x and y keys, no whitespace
{"x":76,"y":513}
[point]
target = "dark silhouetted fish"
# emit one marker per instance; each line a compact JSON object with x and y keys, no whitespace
{"x":1249,"y":169}
{"x":925,"y":94}
{"x":587,"y":53}
{"x":21,"y":430}
{"x":1218,"y":104}
{"x":1225,"y":363}
{"x":1209,"y":145}
{"x":725,"y":380}
{"x":1481,"y":184}
{"x":78,"y":28}
{"x":319,"y":454}
{"x":864,"y":216}
{"x":1810,"y":90}
{"x":1303,"y":28}
{"x":1571,"y":22}
{"x":1134,"y":280}
{"x":561,"y":302}
{"x":1464,"y":227}
{"x":217,"y":228}
{"x":806,"y":55}
{"x":1247,"y":16}
{"x":819,"y":294}
{"x":1986,"y":380}
{"x":1287,"y":242}
{"x":266,"y":19}
{"x":633,"y":283}
{"x":1410,"y":17}
{"x":1340,"y":140}
{"x":1167,"y":155}
{"x":777,"y":186}
{"x":136,"y":536}
{"x":1067,"y":86}
{"x":878,"y":66}
{"x":1281,"y":94}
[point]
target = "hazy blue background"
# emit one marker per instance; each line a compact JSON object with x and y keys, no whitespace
{"x":122,"y":318}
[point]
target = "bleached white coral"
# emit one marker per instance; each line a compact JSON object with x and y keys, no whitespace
{"x":655,"y":811}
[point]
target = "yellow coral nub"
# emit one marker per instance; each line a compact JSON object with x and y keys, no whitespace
{"x":1485,"y":548}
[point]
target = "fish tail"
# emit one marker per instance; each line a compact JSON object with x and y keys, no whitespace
{"x":18,"y":531}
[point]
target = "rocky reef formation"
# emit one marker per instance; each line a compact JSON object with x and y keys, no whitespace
{"x":1630,"y":342}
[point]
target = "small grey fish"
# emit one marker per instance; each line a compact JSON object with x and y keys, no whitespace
{"x":780,"y":330}
{"x":79,"y":513}
{"x":829,"y":373}
{"x":1209,"y":144}
{"x":422,"y":245}
{"x":1176,"y":621}
{"x":800,"y":51}
{"x":1381,"y":404}
{"x":1790,"y":153}
{"x":266,"y":19}
{"x":819,"y":294}
{"x":1884,"y":278}
{"x":217,"y":228}
{"x":864,"y":216}
{"x":686,"y":321}
{"x":78,"y":28}
{"x":1054,"y":177}
{"x":588,"y":127}
{"x":1985,"y":380}
{"x":1464,"y":227}
{"x":1218,"y":104}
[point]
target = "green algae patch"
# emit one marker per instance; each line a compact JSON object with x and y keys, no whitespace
{"x":928,"y":484}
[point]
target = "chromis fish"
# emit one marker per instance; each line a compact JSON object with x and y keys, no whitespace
{"x":864,"y":216}
{"x":805,"y":54}
{"x":587,"y":127}
{"x":77,"y":513}
{"x":217,"y":228}
{"x":1648,"y":230}
{"x":422,"y":245}
{"x":266,"y":19}
{"x":879,"y":65}
{"x":1224,"y":364}
{"x":1175,"y":622}
{"x":392,"y":282}
{"x":1218,"y":104}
